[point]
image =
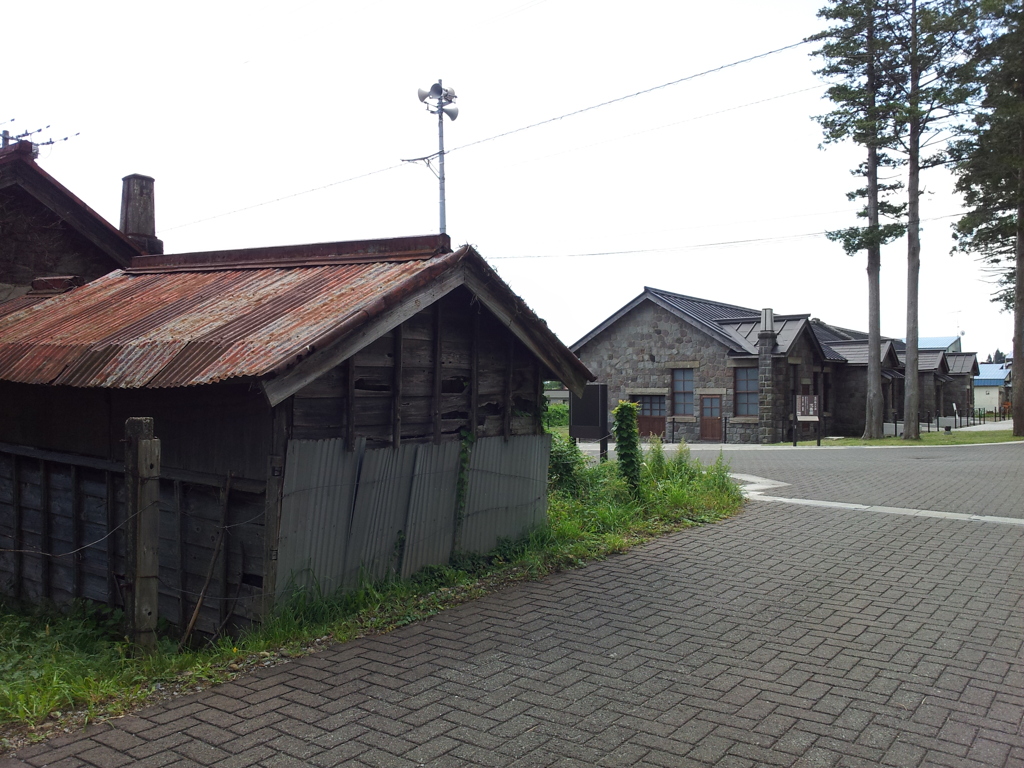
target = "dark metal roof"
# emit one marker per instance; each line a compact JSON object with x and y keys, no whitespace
{"x":855,"y":352}
{"x":246,"y":318}
{"x":963,"y":363}
{"x":702,"y":309}
{"x":928,"y":360}
{"x":827,"y":333}
{"x":734,"y":326}
{"x":787,"y":328}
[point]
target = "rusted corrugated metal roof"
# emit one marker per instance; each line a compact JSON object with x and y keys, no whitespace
{"x":188,"y":319}
{"x":184,"y":328}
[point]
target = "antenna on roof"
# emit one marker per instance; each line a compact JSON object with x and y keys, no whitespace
{"x":6,"y":138}
{"x":441,"y":97}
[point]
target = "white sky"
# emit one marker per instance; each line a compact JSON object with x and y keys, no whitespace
{"x":713,"y":187}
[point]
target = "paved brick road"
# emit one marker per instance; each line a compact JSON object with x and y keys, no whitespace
{"x":980,"y":480}
{"x":789,"y":635}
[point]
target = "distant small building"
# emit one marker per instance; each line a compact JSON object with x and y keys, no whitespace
{"x":992,"y":385}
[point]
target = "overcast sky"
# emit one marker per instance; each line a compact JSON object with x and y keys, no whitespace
{"x":268,"y":124}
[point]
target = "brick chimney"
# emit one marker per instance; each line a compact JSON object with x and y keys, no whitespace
{"x":138,"y":213}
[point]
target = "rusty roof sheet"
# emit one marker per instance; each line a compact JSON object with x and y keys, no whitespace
{"x":184,"y":328}
{"x":189,"y":319}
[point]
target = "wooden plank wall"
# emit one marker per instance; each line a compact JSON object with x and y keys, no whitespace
{"x":62,"y":537}
{"x":49,"y":511}
{"x":417,"y":383}
{"x":193,"y":549}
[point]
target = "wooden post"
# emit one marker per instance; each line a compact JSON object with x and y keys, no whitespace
{"x":46,"y":526}
{"x":225,"y":563}
{"x":142,"y":494}
{"x":111,"y":542}
{"x":273,"y":499}
{"x":437,"y":373}
{"x":77,"y":524}
{"x":474,"y":372}
{"x":350,"y":404}
{"x":19,"y":538}
{"x":396,"y":389}
{"x":507,"y":414}
{"x":182,"y":534}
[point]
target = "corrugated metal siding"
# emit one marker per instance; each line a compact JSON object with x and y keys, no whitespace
{"x":507,"y":490}
{"x":385,"y":484}
{"x":347,"y":516}
{"x":316,"y":509}
{"x":430,"y":530}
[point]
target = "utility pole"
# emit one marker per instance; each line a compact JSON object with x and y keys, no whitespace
{"x":438,"y":100}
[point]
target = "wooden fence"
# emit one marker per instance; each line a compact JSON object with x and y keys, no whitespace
{"x":66,"y":534}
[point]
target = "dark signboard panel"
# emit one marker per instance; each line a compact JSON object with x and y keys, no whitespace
{"x":588,"y":415}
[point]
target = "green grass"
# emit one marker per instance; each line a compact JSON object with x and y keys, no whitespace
{"x":927,"y":438}
{"x":60,"y":669}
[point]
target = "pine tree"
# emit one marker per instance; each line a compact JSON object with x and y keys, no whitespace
{"x":990,"y":166}
{"x":855,"y":62}
{"x":931,"y":39}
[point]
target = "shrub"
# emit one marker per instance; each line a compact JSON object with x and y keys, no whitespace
{"x":565,"y":465}
{"x":556,"y":415}
{"x":627,"y":443}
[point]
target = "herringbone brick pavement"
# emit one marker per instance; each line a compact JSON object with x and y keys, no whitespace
{"x":786,"y":636}
{"x":977,"y":480}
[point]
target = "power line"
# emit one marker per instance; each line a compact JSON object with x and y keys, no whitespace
{"x":497,"y":136}
{"x":676,"y":248}
{"x":284,"y":197}
{"x":629,"y":96}
{"x":673,"y":124}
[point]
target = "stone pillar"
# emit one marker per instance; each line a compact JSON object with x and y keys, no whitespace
{"x":766,"y":339}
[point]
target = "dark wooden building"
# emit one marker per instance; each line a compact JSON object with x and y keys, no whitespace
{"x":316,"y":407}
{"x":46,"y":231}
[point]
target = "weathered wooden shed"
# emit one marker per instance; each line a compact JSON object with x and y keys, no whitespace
{"x":325,"y":412}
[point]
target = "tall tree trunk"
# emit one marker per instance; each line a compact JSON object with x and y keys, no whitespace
{"x":874,"y":416}
{"x":912,"y":398}
{"x":912,"y":395}
{"x":874,"y":406}
{"x":1017,"y":405}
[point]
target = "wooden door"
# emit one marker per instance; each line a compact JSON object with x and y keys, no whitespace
{"x":711,"y":417}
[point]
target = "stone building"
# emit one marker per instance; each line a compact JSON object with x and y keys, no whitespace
{"x":706,"y":370}
{"x":963,"y":367}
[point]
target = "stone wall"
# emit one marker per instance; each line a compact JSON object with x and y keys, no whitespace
{"x":849,"y":401}
{"x":960,"y":391}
